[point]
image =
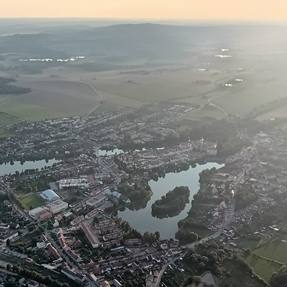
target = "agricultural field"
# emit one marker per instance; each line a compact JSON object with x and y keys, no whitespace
{"x":30,"y":201}
{"x":5,"y":121}
{"x":275,"y":250}
{"x":68,"y":91}
{"x":60,"y":93}
{"x":162,"y":84}
{"x":174,"y":65}
{"x":256,"y":91}
{"x":56,"y":94}
{"x":25,"y":111}
{"x":237,"y":272}
{"x":49,"y":98}
{"x":280,"y":112}
{"x":263,"y":267}
{"x":268,"y":258}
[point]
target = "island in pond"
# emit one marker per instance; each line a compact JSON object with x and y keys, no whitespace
{"x":172,"y":203}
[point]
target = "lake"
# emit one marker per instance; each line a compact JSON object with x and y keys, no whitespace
{"x":8,"y":168}
{"x":142,"y":220}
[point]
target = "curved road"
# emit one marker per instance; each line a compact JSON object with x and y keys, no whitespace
{"x":228,"y":219}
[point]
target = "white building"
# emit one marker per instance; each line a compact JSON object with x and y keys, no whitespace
{"x":49,"y":195}
{"x":57,"y":206}
{"x":37,"y":212}
{"x":73,"y":182}
{"x":96,"y":201}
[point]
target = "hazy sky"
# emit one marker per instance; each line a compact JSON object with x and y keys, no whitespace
{"x":152,"y":9}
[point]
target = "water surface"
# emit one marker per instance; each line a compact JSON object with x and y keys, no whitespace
{"x":142,"y":220}
{"x":8,"y":168}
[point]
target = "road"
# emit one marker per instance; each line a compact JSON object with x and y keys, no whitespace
{"x":188,"y":246}
{"x":221,"y":109}
{"x":100,"y":98}
{"x":157,"y":283}
{"x":60,"y":251}
{"x":228,"y":219}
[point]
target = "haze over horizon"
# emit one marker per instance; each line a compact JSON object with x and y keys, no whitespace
{"x":204,"y":10}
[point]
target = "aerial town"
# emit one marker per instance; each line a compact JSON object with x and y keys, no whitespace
{"x":71,"y":221}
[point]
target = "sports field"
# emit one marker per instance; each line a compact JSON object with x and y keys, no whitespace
{"x":30,"y":201}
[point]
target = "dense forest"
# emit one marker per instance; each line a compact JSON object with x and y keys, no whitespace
{"x":172,"y":203}
{"x":7,"y":86}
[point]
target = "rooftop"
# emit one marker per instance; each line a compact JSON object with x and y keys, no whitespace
{"x":49,"y":195}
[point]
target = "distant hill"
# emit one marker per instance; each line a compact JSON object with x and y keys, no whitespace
{"x":132,"y":41}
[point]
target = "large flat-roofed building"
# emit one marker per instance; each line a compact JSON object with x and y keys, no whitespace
{"x":40,"y":213}
{"x":74,"y":275}
{"x":90,"y":234}
{"x":73,"y":182}
{"x":96,"y":201}
{"x":49,"y":195}
{"x":57,"y":206}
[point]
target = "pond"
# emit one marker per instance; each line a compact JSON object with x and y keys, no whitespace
{"x":8,"y":168}
{"x":142,"y":220}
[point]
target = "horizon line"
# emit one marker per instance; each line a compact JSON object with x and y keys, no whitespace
{"x":150,"y":20}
